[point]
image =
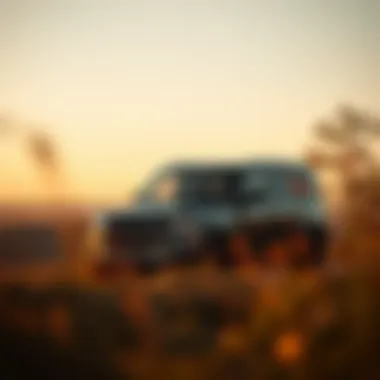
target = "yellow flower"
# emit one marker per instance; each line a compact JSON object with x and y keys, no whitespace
{"x":289,"y":347}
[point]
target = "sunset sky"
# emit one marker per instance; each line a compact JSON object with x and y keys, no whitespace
{"x":126,"y":85}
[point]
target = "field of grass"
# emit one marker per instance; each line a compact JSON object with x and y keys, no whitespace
{"x":196,"y":323}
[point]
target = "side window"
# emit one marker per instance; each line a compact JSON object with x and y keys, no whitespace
{"x":164,"y":189}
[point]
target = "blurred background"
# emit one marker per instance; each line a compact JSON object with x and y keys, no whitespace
{"x":124,"y":85}
{"x":96,"y":95}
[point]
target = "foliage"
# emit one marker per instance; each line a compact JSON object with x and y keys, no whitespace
{"x":296,"y":326}
{"x":344,"y":144}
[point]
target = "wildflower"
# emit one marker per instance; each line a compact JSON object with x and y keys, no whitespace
{"x":289,"y":347}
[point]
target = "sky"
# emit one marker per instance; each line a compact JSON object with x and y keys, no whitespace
{"x":124,"y":86}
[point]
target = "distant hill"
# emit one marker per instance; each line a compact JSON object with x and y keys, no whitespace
{"x":41,"y":210}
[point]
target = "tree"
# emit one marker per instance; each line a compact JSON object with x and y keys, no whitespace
{"x":344,"y":144}
{"x":43,"y":150}
{"x":40,"y":147}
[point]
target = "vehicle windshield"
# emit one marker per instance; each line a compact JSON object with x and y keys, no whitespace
{"x":212,"y":187}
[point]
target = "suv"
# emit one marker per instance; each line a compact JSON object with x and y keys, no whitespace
{"x":187,"y":208}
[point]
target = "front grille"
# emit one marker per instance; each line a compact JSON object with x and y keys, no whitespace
{"x":216,"y":245}
{"x":131,"y":235}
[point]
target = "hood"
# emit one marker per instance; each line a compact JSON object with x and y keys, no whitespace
{"x":138,"y":212}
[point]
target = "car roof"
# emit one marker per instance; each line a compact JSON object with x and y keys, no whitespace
{"x":199,"y":166}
